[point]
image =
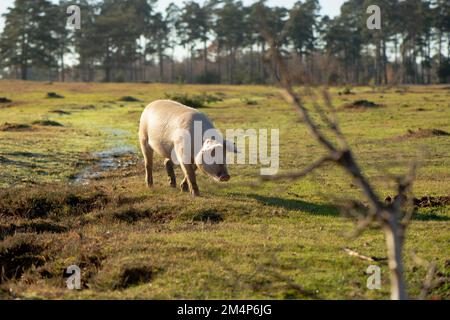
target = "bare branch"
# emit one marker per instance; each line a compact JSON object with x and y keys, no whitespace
{"x":300,"y":174}
{"x":347,"y":160}
{"x":388,"y":215}
{"x":428,"y":282}
{"x":330,"y":122}
{"x":405,"y":186}
{"x":353,"y":253}
{"x":362,"y":224}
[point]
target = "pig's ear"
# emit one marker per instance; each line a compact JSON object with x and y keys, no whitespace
{"x":230,"y":146}
{"x":210,"y":144}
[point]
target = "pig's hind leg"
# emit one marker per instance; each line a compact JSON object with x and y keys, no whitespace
{"x":170,"y":172}
{"x":147,"y":152}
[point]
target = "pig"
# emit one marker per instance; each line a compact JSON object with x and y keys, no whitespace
{"x":183,"y":135}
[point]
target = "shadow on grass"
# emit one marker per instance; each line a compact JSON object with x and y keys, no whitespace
{"x":26,"y":154}
{"x":27,"y":159}
{"x":423,"y":216}
{"x":294,"y":204}
{"x":6,"y":161}
{"x":328,"y":209}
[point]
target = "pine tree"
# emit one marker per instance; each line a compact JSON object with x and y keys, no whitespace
{"x":27,"y":39}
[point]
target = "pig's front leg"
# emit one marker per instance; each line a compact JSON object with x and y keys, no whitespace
{"x":188,"y":170}
{"x":189,"y":174}
{"x":184,"y":186}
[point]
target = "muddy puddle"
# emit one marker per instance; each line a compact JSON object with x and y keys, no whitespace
{"x":121,"y":156}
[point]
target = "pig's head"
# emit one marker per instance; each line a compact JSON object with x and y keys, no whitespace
{"x":212,"y":159}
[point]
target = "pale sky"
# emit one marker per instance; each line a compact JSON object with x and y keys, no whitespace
{"x":329,"y":7}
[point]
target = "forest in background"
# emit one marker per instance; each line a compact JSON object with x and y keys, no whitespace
{"x":131,"y":41}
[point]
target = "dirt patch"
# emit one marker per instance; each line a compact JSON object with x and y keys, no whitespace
{"x":18,"y":254}
{"x":5,"y":100}
{"x":54,"y":95}
{"x":130,"y":214}
{"x":47,"y":123}
{"x":87,"y":107}
{"x":79,"y":203}
{"x":42,"y":202}
{"x":193,"y":101}
{"x":135,"y":275}
{"x":361,"y":105}
{"x":125,"y":200}
{"x":31,"y":226}
{"x":425,"y":202}
{"x":129,"y":99}
{"x":185,"y":99}
{"x":60,"y":112}
{"x":15,"y":127}
{"x":211,"y":216}
{"x":422,"y":133}
{"x":90,"y":264}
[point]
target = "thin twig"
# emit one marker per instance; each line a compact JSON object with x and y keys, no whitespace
{"x":353,"y":253}
{"x":300,"y":174}
{"x":388,"y":215}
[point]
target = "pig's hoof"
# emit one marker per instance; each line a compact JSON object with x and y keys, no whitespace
{"x":149,"y":184}
{"x":184,"y":187}
{"x":195,"y":193}
{"x":172,"y":183}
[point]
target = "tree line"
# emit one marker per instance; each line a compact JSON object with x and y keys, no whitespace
{"x":130,"y":40}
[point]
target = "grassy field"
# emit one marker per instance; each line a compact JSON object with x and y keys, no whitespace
{"x":73,"y":192}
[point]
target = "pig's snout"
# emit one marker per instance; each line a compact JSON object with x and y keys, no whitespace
{"x":224,"y":178}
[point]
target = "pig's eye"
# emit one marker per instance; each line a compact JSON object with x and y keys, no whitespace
{"x":213,"y":153}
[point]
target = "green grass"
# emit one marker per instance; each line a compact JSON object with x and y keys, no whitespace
{"x":239,"y":240}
